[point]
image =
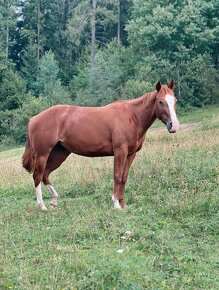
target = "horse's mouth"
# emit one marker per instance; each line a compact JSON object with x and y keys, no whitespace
{"x":172,"y":127}
{"x":171,"y":131}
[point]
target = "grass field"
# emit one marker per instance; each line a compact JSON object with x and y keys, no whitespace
{"x":168,"y":237}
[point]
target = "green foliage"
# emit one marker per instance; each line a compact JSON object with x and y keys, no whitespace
{"x":152,"y":68}
{"x":107,"y":74}
{"x":29,"y":67}
{"x":102,"y":83}
{"x":48,"y":85}
{"x":6,"y":118}
{"x":79,"y":85}
{"x":177,"y":41}
{"x":8,"y":21}
{"x":48,"y":74}
{"x":12,"y":89}
{"x":134,"y":88}
{"x":173,"y":31}
{"x":199,"y":82}
{"x":13,"y":123}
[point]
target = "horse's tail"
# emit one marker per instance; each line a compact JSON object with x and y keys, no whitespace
{"x":28,"y":158}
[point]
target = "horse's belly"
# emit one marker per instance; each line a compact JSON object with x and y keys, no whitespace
{"x":94,"y":154}
{"x":89,"y":149}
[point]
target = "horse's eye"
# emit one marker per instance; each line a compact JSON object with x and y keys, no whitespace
{"x":161,"y":103}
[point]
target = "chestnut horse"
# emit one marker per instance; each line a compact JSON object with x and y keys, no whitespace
{"x":117,"y":129}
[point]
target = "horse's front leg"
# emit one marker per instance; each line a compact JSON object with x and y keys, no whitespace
{"x":120,"y":156}
{"x":128,"y":164}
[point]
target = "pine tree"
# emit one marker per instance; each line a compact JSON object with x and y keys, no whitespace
{"x":29,"y":67}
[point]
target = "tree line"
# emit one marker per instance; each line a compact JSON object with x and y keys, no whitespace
{"x":92,"y":52}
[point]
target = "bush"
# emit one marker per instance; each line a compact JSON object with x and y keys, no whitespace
{"x":12,"y":90}
{"x":199,"y":82}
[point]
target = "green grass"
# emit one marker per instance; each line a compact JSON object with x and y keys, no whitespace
{"x":169,"y":233}
{"x":199,"y":114}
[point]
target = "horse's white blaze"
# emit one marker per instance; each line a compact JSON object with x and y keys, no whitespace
{"x":170,"y":102}
{"x":53,"y":193}
{"x":39,"y":197}
{"x":116,"y":203}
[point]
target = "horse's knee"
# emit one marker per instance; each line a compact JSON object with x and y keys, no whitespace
{"x":118,"y":179}
{"x":121,"y":180}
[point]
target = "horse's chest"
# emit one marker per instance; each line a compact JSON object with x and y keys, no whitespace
{"x":136,"y":145}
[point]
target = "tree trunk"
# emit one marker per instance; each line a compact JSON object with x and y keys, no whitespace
{"x":7,"y":33}
{"x":119,"y":23}
{"x":93,"y":31}
{"x":38,"y":29}
{"x":179,"y":82}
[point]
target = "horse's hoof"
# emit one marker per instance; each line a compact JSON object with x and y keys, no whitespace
{"x":123,"y":204}
{"x":52,"y":206}
{"x":119,"y":208}
{"x":43,"y":207}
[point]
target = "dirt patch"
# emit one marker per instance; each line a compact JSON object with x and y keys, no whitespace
{"x":192,"y":126}
{"x":183,"y":127}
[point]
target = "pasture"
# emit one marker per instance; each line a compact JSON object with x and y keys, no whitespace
{"x":167,"y":238}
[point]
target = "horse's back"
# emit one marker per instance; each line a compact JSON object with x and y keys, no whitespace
{"x":100,"y":122}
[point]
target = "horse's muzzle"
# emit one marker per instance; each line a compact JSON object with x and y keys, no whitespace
{"x":172,"y":127}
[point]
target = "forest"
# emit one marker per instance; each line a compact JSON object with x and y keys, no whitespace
{"x":92,"y":52}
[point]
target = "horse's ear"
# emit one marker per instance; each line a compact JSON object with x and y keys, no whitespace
{"x":158,"y":86}
{"x":171,"y":84}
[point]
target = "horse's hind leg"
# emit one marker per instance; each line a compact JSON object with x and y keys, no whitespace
{"x":57,"y":156}
{"x":38,"y":176}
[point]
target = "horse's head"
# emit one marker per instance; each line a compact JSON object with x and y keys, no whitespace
{"x":165,"y":106}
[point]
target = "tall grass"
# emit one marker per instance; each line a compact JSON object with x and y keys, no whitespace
{"x":166,"y":239}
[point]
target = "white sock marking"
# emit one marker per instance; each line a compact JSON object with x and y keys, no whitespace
{"x":53,"y":193}
{"x":39,"y":197}
{"x":116,"y":203}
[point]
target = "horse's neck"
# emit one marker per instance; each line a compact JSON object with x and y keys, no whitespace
{"x":144,"y":110}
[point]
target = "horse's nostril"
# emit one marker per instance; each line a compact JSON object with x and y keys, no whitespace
{"x":169,"y":125}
